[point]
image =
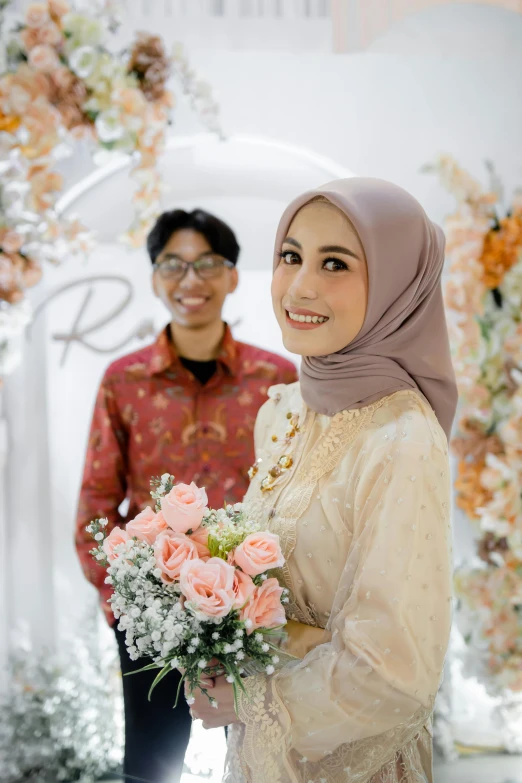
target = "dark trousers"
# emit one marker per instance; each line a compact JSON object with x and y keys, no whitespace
{"x":156,"y":735}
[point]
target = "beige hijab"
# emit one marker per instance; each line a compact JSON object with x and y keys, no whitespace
{"x":403,"y":343}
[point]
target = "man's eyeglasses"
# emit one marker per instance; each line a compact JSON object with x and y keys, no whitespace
{"x":206,"y":267}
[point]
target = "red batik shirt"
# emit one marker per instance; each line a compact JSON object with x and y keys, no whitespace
{"x":152,"y":416}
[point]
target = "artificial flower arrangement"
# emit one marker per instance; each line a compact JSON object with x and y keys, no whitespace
{"x":483,"y":295}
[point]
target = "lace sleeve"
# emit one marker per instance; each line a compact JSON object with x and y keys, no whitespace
{"x":361,"y":697}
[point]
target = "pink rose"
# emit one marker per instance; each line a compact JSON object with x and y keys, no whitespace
{"x":258,"y":553}
{"x":116,"y":537}
{"x":200,"y":538}
{"x":12,"y":242}
{"x":184,"y":507}
{"x":172,"y":551}
{"x":147,"y":526}
{"x":43,"y":58}
{"x":209,"y":586}
{"x":244,"y":588}
{"x":37,"y":15}
{"x":265,"y":609}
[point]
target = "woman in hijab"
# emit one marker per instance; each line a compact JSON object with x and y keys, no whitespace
{"x":352,"y":473}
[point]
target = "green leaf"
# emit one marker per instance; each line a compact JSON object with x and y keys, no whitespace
{"x":163,"y":673}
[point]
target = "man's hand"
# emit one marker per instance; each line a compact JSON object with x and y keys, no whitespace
{"x":225,"y":714}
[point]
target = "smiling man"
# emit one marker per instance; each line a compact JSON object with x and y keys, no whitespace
{"x":185,"y":405}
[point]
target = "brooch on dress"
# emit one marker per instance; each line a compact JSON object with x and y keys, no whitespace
{"x":284,"y":462}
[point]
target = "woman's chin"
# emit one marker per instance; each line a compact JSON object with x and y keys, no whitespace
{"x":301,"y":344}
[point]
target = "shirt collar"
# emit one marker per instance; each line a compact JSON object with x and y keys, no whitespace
{"x":164,"y":354}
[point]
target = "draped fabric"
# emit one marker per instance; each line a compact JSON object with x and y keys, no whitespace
{"x":363,"y":515}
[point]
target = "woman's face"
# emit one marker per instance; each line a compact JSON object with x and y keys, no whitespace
{"x":320,"y":286}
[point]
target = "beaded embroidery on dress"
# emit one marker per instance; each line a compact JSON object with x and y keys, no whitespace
{"x":363,"y":518}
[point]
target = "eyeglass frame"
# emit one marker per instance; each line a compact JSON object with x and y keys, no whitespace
{"x":225,"y":263}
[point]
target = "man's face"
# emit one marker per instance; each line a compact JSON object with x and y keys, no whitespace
{"x":193,"y":302}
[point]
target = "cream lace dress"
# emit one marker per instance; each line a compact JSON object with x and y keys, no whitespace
{"x":361,"y":502}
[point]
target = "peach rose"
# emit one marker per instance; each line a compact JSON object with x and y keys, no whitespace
{"x":244,"y":588}
{"x":37,"y":15}
{"x":172,"y":551}
{"x":184,"y":507}
{"x":44,"y":59}
{"x":59,"y":8}
{"x":200,"y":538}
{"x":116,"y":537}
{"x":32,"y":273}
{"x":30,"y":38}
{"x":11,"y":242}
{"x":50,"y":34}
{"x":208,"y":586}
{"x":147,"y":526}
{"x":265,"y":609}
{"x":258,"y":553}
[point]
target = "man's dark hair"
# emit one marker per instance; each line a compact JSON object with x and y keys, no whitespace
{"x":219,"y":236}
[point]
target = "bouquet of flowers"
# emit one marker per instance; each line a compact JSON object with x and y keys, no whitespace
{"x":192,"y":587}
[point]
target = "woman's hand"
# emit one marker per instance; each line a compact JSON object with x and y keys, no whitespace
{"x":212,"y":717}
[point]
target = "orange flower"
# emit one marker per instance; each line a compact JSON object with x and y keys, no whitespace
{"x":9,"y":123}
{"x":470,"y":492}
{"x":501,"y":250}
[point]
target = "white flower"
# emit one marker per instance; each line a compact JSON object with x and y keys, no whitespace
{"x":227,"y":648}
{"x":264,"y":577}
{"x":275,"y":658}
{"x":134,"y":612}
{"x":190,"y":700}
{"x":202,"y":664}
{"x":83,"y":61}
{"x":215,"y":636}
{"x":157,"y":573}
{"x":238,"y":644}
{"x":103,"y":522}
{"x":108,"y":125}
{"x":155,"y":636}
{"x":89,"y":528}
{"x":175,"y":663}
{"x":240,"y":655}
{"x":165,"y":478}
{"x":248,"y":624}
{"x":240,"y":632}
{"x":98,"y":537}
{"x":265,"y":647}
{"x":214,"y":703}
{"x":195,"y":641}
{"x":108,"y":580}
{"x":258,"y":637}
{"x":270,"y":669}
{"x":100,"y":556}
{"x":238,"y":507}
{"x":191,"y":650}
{"x":229,"y":678}
{"x":83,"y":30}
